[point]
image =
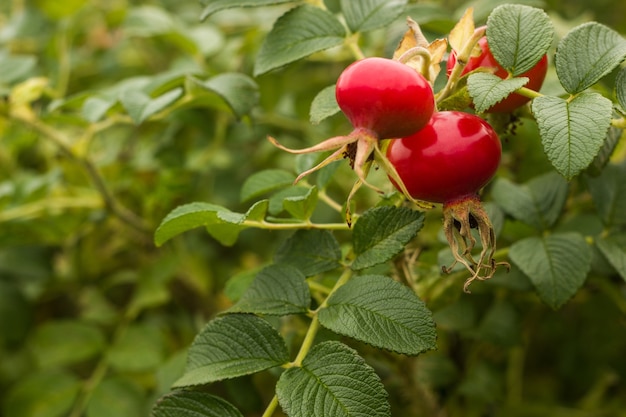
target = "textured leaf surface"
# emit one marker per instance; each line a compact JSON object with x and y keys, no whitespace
{"x":557,"y":265}
{"x":231,"y":346}
{"x":620,"y":88}
{"x":382,"y":232}
{"x":193,"y":404}
{"x":586,"y":54}
{"x":298,"y":33}
{"x":614,"y":249}
{"x":519,"y":36}
{"x":213,"y":6}
{"x":382,"y":312}
{"x":302,"y":207}
{"x":488,"y":89}
{"x":277,"y":289}
{"x":365,"y":15}
{"x":334,"y":381}
{"x":311,"y":251}
{"x":324,"y":105}
{"x":572,"y":132}
{"x":537,"y":202}
{"x":609,"y":194}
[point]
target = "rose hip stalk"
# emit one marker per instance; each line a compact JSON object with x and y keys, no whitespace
{"x":383,"y":99}
{"x":448,"y":162}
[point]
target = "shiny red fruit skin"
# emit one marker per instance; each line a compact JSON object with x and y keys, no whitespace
{"x":385,"y":96}
{"x":453,"y":157}
{"x":536,"y":75}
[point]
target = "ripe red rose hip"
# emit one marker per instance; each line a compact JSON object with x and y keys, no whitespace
{"x":536,"y":75}
{"x":448,"y":162}
{"x":385,"y":96}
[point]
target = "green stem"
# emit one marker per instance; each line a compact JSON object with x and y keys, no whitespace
{"x":271,"y":407}
{"x":619,"y":123}
{"x":264,"y":224}
{"x":352,"y":42}
{"x":63,"y":57}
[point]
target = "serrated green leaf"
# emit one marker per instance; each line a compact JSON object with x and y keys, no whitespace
{"x":141,"y":106}
{"x":311,"y":251}
{"x":489,"y":89}
{"x":537,"y":203}
{"x":324,"y":105}
{"x":276,"y":290}
{"x":302,"y":207}
{"x":608,"y":191}
{"x":614,"y":250}
{"x":43,"y":394}
{"x":381,"y":312}
{"x":334,"y":381}
{"x":298,"y":33}
{"x":239,"y":92}
{"x":258,"y":211}
{"x":518,"y":36}
{"x":557,"y":264}
{"x":213,"y":6}
{"x":620,"y":88}
{"x":277,"y":200}
{"x":572,"y":132}
{"x":603,"y":157}
{"x":187,"y":403}
{"x":265,"y":181}
{"x":382,"y":232}
{"x":586,"y":54}
{"x":193,"y":215}
{"x":66,"y":342}
{"x":232,"y":346}
{"x":365,"y":15}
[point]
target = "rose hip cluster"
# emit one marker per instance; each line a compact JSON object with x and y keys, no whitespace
{"x":430,"y":156}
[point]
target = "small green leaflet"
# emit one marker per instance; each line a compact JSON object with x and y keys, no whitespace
{"x":572,"y":132}
{"x":185,"y":403}
{"x":302,"y":207}
{"x":324,"y":105}
{"x":489,"y":89}
{"x":382,"y":232}
{"x":608,"y":191}
{"x":265,"y":181}
{"x":519,"y":36}
{"x":614,"y":250}
{"x":15,"y":67}
{"x":239,"y":92}
{"x":276,"y":290}
{"x":311,"y":251}
{"x":231,"y":346}
{"x":556,"y":264}
{"x":334,"y":381}
{"x":213,"y":6}
{"x":140,"y":106}
{"x":298,"y":33}
{"x":537,"y":203}
{"x":586,"y":54}
{"x":366,"y":15}
{"x":48,"y":393}
{"x":382,"y":312}
{"x":604,"y":155}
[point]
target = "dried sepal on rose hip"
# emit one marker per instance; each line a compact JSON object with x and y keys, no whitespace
{"x":448,"y":162}
{"x":383,"y":99}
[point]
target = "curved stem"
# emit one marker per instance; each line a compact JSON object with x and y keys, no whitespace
{"x":352,"y":42}
{"x":421,"y":52}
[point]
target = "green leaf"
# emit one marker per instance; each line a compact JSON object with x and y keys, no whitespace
{"x":614,"y":250}
{"x":276,"y":290}
{"x":148,"y":21}
{"x":184,"y":403}
{"x":140,"y":348}
{"x":603,"y":157}
{"x":263,"y":182}
{"x":365,"y":15}
{"x":94,"y":108}
{"x":141,"y":106}
{"x":519,"y":36}
{"x":620,"y":88}
{"x":298,"y":33}
{"x":586,"y":54}
{"x":47,"y":394}
{"x":334,"y":381}
{"x":382,"y":312}
{"x":232,"y":346}
{"x":557,"y":264}
{"x":311,"y":251}
{"x":117,"y":396}
{"x":324,"y":105}
{"x":193,"y":215}
{"x":382,"y":232}
{"x":239,"y":92}
{"x":66,"y":342}
{"x":57,"y":11}
{"x":572,"y":132}
{"x":302,"y":207}
{"x":489,"y":89}
{"x":15,"y":67}
{"x":213,"y":6}
{"x":537,"y":203}
{"x":609,"y":194}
